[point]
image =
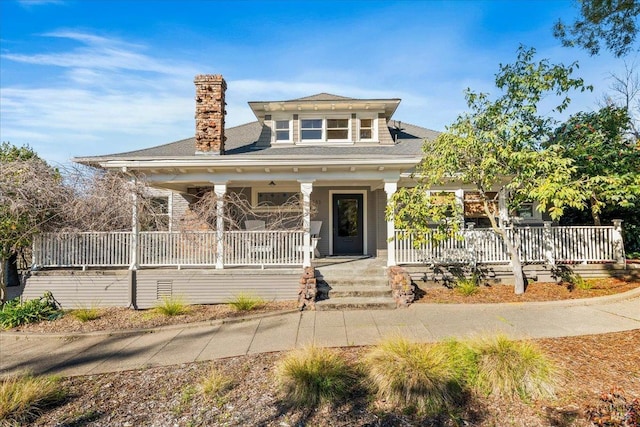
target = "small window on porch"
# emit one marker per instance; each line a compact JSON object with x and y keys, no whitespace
{"x":474,"y":207}
{"x":281,"y":200}
{"x":157,"y":218}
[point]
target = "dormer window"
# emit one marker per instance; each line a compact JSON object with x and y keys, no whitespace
{"x":311,"y":129}
{"x":366,"y":128}
{"x":321,"y":129}
{"x":337,"y":129}
{"x":283,"y":130}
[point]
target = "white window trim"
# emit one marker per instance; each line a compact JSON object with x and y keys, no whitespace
{"x":277,"y":189}
{"x":324,"y":140}
{"x":274,"y":138}
{"x":374,"y":129}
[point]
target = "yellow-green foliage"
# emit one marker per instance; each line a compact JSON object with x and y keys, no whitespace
{"x":171,"y":306}
{"x":312,"y":375}
{"x":246,"y":302}
{"x":86,"y":314}
{"x":215,"y":383}
{"x":467,"y":285}
{"x":23,"y":397}
{"x":412,"y":375}
{"x":508,"y":369}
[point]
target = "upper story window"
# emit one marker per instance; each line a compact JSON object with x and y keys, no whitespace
{"x":311,"y":129}
{"x":331,"y":129}
{"x":283,"y":130}
{"x":337,"y":129}
{"x":366,"y":128}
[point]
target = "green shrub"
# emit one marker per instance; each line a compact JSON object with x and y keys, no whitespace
{"x":15,"y":313}
{"x":246,"y":302}
{"x":467,"y":286}
{"x":23,"y":397}
{"x":312,"y":375}
{"x":507,"y":368}
{"x":171,"y":306}
{"x":86,"y":314}
{"x":413,"y":375}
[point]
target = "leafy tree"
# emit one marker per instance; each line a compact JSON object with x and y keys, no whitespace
{"x":612,"y":23}
{"x":607,"y":162}
{"x":496,"y":147}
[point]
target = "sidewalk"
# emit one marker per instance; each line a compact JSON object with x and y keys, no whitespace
{"x":107,"y":352}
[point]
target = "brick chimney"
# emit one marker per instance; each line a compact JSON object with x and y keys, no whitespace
{"x":210,"y":112}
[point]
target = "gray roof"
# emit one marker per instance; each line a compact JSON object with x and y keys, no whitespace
{"x":242,"y":140}
{"x":321,"y":97}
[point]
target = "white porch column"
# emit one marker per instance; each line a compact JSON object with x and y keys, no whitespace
{"x":135,"y":231}
{"x":390,"y":188}
{"x":306,"y":188}
{"x":618,"y":244}
{"x":220,"y":190}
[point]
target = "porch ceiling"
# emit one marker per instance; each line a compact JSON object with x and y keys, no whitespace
{"x":179,"y":174}
{"x":326,"y":176}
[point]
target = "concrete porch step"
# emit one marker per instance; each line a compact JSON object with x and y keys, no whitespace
{"x":340,"y":291}
{"x":356,"y":303}
{"x":355,"y":281}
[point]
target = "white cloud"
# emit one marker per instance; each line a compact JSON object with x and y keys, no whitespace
{"x":39,"y":2}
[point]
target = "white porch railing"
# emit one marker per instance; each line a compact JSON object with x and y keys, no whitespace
{"x":82,"y":249}
{"x":538,"y":245}
{"x":159,"y":248}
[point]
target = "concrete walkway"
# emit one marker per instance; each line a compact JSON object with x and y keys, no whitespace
{"x":81,"y":354}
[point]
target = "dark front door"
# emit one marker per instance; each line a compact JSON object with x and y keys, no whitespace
{"x":347,"y":224}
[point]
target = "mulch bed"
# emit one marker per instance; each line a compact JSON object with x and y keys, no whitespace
{"x":590,"y":366}
{"x":536,"y":291}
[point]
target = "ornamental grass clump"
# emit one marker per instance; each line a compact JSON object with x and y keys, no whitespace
{"x":509,"y":369}
{"x":86,"y":314}
{"x":22,"y":398}
{"x":246,"y":302}
{"x":413,"y":376}
{"x":171,"y":306}
{"x":314,"y":375}
{"x":215,"y":383}
{"x":467,"y":286}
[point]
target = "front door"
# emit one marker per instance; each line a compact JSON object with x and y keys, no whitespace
{"x":348,"y":229}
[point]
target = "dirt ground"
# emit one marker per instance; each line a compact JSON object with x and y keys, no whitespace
{"x":600,"y":377}
{"x":167,"y":396}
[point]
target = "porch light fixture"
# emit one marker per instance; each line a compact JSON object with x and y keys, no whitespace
{"x":272,"y":184}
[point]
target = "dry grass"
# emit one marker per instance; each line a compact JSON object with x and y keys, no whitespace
{"x":508,"y":369}
{"x":412,"y":375}
{"x":313,"y":375}
{"x":22,"y":398}
{"x":215,"y":383}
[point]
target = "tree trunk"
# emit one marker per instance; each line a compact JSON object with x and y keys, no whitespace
{"x":512,"y":247}
{"x":4,"y":263}
{"x":518,"y":274}
{"x":596,"y":218}
{"x":594,"y":213}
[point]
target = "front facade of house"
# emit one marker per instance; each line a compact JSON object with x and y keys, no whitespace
{"x":343,"y":157}
{"x":317,"y":174}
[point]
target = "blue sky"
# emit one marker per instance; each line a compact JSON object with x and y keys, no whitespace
{"x":95,"y":77}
